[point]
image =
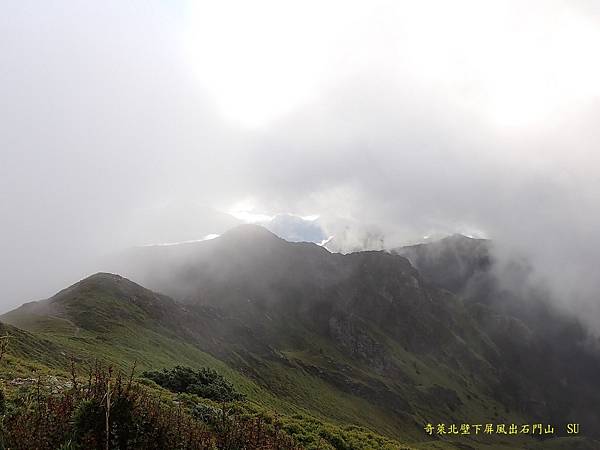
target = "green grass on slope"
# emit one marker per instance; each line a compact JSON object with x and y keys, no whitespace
{"x":324,"y":412}
{"x":294,"y":388}
{"x":20,"y":374}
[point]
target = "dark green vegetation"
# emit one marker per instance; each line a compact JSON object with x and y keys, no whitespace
{"x":206,"y":383}
{"x":336,"y":350}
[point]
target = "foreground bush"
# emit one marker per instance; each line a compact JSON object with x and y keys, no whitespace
{"x":112,"y":413}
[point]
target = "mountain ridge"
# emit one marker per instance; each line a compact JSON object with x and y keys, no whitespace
{"x":358,"y":338}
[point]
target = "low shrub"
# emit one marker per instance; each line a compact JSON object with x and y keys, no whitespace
{"x":206,"y":383}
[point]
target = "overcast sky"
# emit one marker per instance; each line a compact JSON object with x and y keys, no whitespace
{"x":131,"y":123}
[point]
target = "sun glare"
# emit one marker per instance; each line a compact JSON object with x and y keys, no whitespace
{"x":516,"y":66}
{"x":258,"y":59}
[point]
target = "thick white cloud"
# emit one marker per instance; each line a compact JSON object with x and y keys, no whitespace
{"x":128,"y":124}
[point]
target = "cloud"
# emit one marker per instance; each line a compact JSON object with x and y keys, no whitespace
{"x":296,"y":229}
{"x":120,"y":125}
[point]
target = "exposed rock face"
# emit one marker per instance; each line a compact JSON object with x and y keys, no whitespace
{"x":358,"y":343}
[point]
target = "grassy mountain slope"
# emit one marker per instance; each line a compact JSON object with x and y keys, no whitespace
{"x":369,"y":325}
{"x":351,"y":339}
{"x":545,"y":350}
{"x":108,"y":318}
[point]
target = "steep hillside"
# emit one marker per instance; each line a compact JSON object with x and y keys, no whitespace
{"x":110,"y":318}
{"x":361,"y":338}
{"x":544,"y":349}
{"x":367,"y":324}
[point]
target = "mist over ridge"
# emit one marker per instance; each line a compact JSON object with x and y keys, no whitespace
{"x":116,"y":132}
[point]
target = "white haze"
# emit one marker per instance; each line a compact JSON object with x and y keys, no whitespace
{"x":131,"y":123}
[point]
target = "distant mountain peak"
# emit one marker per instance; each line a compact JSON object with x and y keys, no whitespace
{"x":103,"y":281}
{"x":103,"y":276}
{"x":450,"y":262}
{"x":250,"y":231}
{"x":99,"y":302}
